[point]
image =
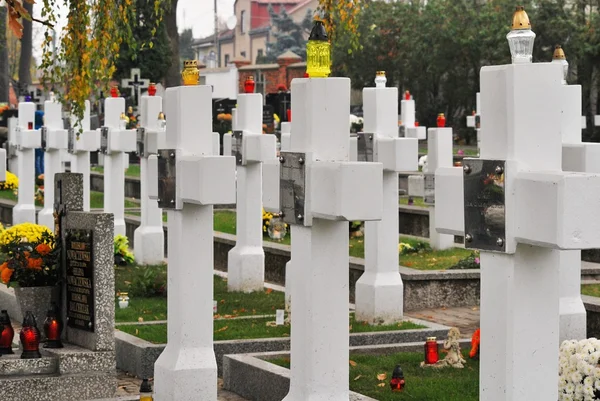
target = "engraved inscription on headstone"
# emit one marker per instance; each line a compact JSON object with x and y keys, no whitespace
{"x":429,"y":189}
{"x":79,"y":263}
{"x":292,"y":186}
{"x":485,"y":220}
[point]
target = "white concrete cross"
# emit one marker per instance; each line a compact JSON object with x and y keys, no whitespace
{"x":439,"y":154}
{"x":246,"y":261}
{"x":54,"y":138}
{"x":582,"y":157}
{"x":474,"y":121}
{"x":80,"y":148}
{"x":27,"y":140}
{"x":379,"y":290}
{"x":519,"y":209}
{"x":320,"y":192}
{"x":187,"y":180}
{"x":407,"y":111}
{"x":115,"y":141}
{"x":135,"y":84}
{"x":11,"y":145}
{"x":149,"y":237}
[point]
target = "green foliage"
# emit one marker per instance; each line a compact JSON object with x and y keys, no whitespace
{"x":123,"y":255}
{"x":148,"y":281}
{"x":470,"y":262}
{"x":153,"y":61}
{"x":288,"y":35}
{"x":437,"y":50}
{"x":185,"y":45}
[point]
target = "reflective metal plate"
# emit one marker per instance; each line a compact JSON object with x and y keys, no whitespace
{"x":429,"y":186}
{"x":478,"y":121}
{"x":104,"y":140}
{"x":485,"y":218}
{"x":365,"y":144}
{"x":44,"y":135}
{"x":292,"y":186}
{"x":140,"y":149}
{"x":237,"y":139}
{"x":71,"y":137}
{"x":402,"y":131}
{"x":167,"y":161}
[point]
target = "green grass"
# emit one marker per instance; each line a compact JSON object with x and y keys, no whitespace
{"x":468,"y":151}
{"x":593,"y":290}
{"x":96,"y":199}
{"x":237,"y":329}
{"x":132,"y":171}
{"x":422,"y":384}
{"x":417,"y":201}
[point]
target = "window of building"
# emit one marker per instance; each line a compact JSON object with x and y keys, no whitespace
{"x":243,"y":21}
{"x":243,"y":54}
{"x":226,"y":60}
{"x":260,"y":53}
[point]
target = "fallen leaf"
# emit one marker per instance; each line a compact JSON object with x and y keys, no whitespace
{"x":475,"y":308}
{"x":234,"y":311}
{"x":381,"y":376}
{"x":127,"y":282}
{"x":242,"y":310}
{"x":350,"y":328}
{"x":137,"y":332}
{"x":357,"y":377}
{"x":271,"y":324}
{"x":381,"y":385}
{"x":222,"y":301}
{"x":222,"y":329}
{"x":216,"y":316}
{"x":228,"y":316}
{"x":352,"y":363}
{"x":140,"y":319}
{"x":268,"y":290}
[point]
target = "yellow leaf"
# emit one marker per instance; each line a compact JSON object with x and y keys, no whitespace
{"x":381,"y":376}
{"x":381,"y":385}
{"x":140,"y":319}
{"x":268,"y":290}
{"x":222,"y":329}
{"x":151,"y":44}
{"x":357,"y":377}
{"x":352,"y":363}
{"x":137,"y":332}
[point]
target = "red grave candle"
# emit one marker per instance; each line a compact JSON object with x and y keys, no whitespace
{"x":6,"y":335}
{"x":53,"y":328}
{"x":152,"y":89}
{"x":407,"y":95}
{"x":30,"y":338}
{"x":249,"y":85}
{"x":114,"y":92}
{"x":431,"y":351}
{"x":441,"y":120}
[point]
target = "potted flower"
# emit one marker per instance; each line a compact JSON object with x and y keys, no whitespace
{"x":31,"y":266}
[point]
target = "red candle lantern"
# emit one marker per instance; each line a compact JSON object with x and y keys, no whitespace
{"x":30,"y":338}
{"x":53,"y":327}
{"x":249,"y":85}
{"x":416,"y":123}
{"x":289,"y":115}
{"x":441,"y":120}
{"x":306,"y":75}
{"x":397,"y":383}
{"x":407,"y":95}
{"x":431,"y":351}
{"x":6,"y":335}
{"x":152,"y":89}
{"x":114,"y":92}
{"x":30,"y":125}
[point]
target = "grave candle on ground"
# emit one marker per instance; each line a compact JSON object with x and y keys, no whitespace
{"x":27,"y":140}
{"x":379,"y":291}
{"x":187,"y":180}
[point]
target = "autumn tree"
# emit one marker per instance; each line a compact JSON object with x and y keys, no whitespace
{"x":288,"y":35}
{"x":4,"y":80}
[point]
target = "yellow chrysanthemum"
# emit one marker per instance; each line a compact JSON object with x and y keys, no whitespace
{"x":27,"y":232}
{"x":11,"y":182}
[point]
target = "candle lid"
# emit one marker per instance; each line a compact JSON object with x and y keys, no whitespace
{"x":520,"y":19}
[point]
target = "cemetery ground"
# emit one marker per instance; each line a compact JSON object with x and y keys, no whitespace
{"x":370,"y":375}
{"x":239,"y":315}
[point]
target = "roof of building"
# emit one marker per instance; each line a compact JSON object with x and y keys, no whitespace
{"x":210,"y":40}
{"x":289,"y":55}
{"x":259,"y":67}
{"x":301,"y":64}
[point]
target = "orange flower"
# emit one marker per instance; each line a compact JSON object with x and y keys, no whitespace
{"x":43,"y":249}
{"x":6,"y":275}
{"x":3,"y":266}
{"x":34,"y":263}
{"x":26,"y":254}
{"x":475,"y":343}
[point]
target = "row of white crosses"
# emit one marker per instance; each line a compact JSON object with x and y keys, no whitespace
{"x":407,"y":113}
{"x":187,"y":179}
{"x":380,"y":291}
{"x":317,"y":196}
{"x":246,"y":261}
{"x":520,"y":209}
{"x":27,"y":140}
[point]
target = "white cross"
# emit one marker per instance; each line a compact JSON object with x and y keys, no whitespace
{"x":519,"y":209}
{"x":27,"y":140}
{"x":246,"y":261}
{"x":474,"y":121}
{"x":187,"y":180}
{"x":319,"y":196}
{"x":149,"y":237}
{"x":380,"y":291}
{"x":135,"y":84}
{"x":115,"y":140}
{"x":407,"y":110}
{"x":54,"y":139}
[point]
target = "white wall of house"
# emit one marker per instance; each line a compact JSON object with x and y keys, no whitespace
{"x":223,"y":80}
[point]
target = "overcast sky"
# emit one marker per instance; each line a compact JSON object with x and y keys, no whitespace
{"x":195,"y":14}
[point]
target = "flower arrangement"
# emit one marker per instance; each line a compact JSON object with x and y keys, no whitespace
{"x":356,"y":123}
{"x":405,"y":248}
{"x":32,"y":256}
{"x":224,"y":117}
{"x":470,"y":262}
{"x":269,"y":219}
{"x":579,"y":372}
{"x":123,"y":256}
{"x":11,"y":182}
{"x":39,"y":195}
